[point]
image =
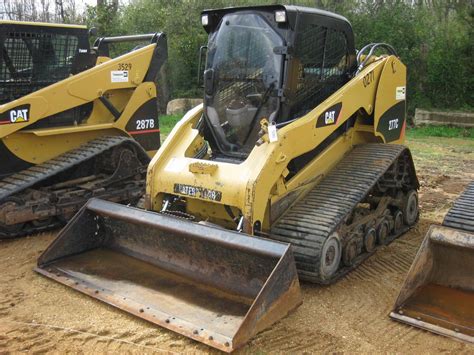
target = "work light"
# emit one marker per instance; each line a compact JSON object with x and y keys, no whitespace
{"x":280,"y":16}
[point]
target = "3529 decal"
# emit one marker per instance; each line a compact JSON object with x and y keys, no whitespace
{"x":125,"y":66}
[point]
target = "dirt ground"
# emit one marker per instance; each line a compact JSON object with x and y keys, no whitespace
{"x":39,"y":315}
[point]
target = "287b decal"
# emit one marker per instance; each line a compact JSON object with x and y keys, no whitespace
{"x":145,"y":124}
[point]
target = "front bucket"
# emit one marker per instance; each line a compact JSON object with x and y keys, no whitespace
{"x":213,"y":285}
{"x":438,"y":293}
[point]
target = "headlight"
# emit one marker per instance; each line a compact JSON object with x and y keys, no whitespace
{"x":280,"y":16}
{"x":205,"y":20}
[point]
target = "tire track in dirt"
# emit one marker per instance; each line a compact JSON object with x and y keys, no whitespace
{"x":33,"y":337}
{"x":376,"y":295}
{"x":362,"y":299}
{"x":10,"y":298}
{"x":292,"y":340}
{"x":28,"y":339}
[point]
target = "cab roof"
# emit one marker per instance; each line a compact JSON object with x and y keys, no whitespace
{"x":291,"y":10}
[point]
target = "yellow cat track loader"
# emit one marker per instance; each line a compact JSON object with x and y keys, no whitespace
{"x":74,"y":123}
{"x":438,"y":293}
{"x":284,"y":171}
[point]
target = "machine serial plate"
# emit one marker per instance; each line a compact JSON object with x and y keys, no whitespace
{"x":196,"y":191}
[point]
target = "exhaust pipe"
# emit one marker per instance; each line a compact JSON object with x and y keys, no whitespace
{"x":215,"y":286}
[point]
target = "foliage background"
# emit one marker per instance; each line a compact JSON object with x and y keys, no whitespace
{"x":434,"y":38}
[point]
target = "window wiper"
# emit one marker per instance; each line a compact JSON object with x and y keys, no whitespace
{"x":265,"y":98}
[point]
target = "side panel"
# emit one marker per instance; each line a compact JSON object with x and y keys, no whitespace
{"x":144,"y":127}
{"x":390,"y":103}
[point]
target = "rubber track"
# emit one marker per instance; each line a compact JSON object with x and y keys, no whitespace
{"x":35,"y":175}
{"x":308,"y":223}
{"x":29,"y":177}
{"x":461,"y":215}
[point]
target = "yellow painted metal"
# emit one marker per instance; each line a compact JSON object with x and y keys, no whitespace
{"x":37,"y":145}
{"x":255,"y":185}
{"x":44,"y":24}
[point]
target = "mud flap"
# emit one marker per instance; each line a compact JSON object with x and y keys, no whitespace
{"x":213,"y":285}
{"x":438,"y":293}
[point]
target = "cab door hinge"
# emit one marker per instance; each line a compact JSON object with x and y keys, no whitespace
{"x":283,"y":50}
{"x":281,"y":94}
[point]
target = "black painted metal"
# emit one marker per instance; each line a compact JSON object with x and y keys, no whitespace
{"x":461,"y":215}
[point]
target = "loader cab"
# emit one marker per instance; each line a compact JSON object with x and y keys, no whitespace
{"x":274,"y":62}
{"x":35,"y":55}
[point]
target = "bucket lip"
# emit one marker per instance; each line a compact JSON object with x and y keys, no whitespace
{"x":167,"y":321}
{"x":431,"y":327}
{"x":240,"y":241}
{"x":445,"y":235}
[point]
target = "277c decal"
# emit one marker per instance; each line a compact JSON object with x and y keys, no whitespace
{"x":393,"y":124}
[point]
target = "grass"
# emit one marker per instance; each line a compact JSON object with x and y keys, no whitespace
{"x":167,"y":123}
{"x":440,"y":131}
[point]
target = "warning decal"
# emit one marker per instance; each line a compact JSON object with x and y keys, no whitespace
{"x":400,"y":93}
{"x":119,"y":76}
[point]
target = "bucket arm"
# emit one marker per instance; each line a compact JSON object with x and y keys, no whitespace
{"x":117,"y":90}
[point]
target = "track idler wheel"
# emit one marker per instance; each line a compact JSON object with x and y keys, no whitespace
{"x":8,"y":205}
{"x":370,"y":240}
{"x":330,"y":256}
{"x":410,"y":208}
{"x":383,"y":232}
{"x":350,"y":252}
{"x":397,"y":221}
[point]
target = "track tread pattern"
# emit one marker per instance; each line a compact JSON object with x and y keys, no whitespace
{"x":35,"y":174}
{"x":308,"y":223}
{"x":15,"y":184}
{"x":461,"y":215}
